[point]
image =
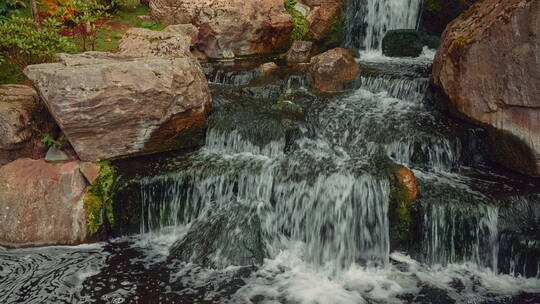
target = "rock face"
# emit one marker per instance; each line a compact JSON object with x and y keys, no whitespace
{"x":324,"y":14}
{"x":41,"y":203}
{"x":300,"y":52}
{"x":229,"y":28}
{"x":437,"y":14}
{"x":174,"y":41}
{"x":22,"y":118}
{"x":402,"y":43}
{"x":488,"y":67}
{"x":111,"y":105}
{"x":332,"y":69}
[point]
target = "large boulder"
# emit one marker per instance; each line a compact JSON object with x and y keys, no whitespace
{"x":41,"y":203}
{"x":22,"y":120}
{"x":488,"y":67}
{"x":229,"y":28}
{"x":111,"y":105}
{"x":333,"y":69}
{"x":174,"y":41}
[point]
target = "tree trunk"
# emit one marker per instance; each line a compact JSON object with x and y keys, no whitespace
{"x":34,"y":10}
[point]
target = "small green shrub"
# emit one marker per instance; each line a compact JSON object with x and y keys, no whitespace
{"x":22,"y":43}
{"x":9,"y":6}
{"x":56,"y":143}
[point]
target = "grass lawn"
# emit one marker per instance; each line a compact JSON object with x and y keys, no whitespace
{"x":110,"y":32}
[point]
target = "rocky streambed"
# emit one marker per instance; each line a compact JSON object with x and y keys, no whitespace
{"x":316,"y":176}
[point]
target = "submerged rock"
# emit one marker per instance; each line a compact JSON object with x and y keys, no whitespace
{"x":111,"y":105}
{"x":488,"y":68}
{"x":41,"y":203}
{"x":22,"y":118}
{"x":229,"y":28}
{"x":402,"y":43}
{"x":333,"y":69}
{"x":227,"y":237}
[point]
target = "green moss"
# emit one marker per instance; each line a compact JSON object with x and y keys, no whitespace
{"x":301,"y":25}
{"x":400,"y":214}
{"x":433,"y":6}
{"x":98,"y":201}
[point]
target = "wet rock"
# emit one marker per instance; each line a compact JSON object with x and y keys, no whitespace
{"x":402,"y":43}
{"x":174,"y":41}
{"x":125,"y":106}
{"x":268,"y":68}
{"x":221,"y":239}
{"x":333,"y":69}
{"x":288,"y":107}
{"x":300,"y":52}
{"x":22,"y":119}
{"x":229,"y":28}
{"x":41,"y":203}
{"x":408,"y":181}
{"x":488,"y":66}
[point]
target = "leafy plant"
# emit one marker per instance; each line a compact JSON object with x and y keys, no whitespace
{"x":54,"y":143}
{"x":74,"y":12}
{"x":22,"y":43}
{"x":8,"y":6}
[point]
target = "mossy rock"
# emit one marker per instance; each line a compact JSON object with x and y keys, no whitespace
{"x":288,"y":107}
{"x":98,"y":200}
{"x":301,"y":25}
{"x":402,"y":43}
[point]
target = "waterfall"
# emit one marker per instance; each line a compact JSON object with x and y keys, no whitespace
{"x":368,"y":21}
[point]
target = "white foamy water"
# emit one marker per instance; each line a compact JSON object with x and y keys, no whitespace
{"x":385,"y":15}
{"x":288,"y":278}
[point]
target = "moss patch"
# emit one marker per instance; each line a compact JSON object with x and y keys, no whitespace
{"x":98,"y":201}
{"x":301,"y":25}
{"x":400,"y":215}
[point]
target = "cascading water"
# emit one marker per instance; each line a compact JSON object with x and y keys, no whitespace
{"x":308,"y":201}
{"x":369,"y":22}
